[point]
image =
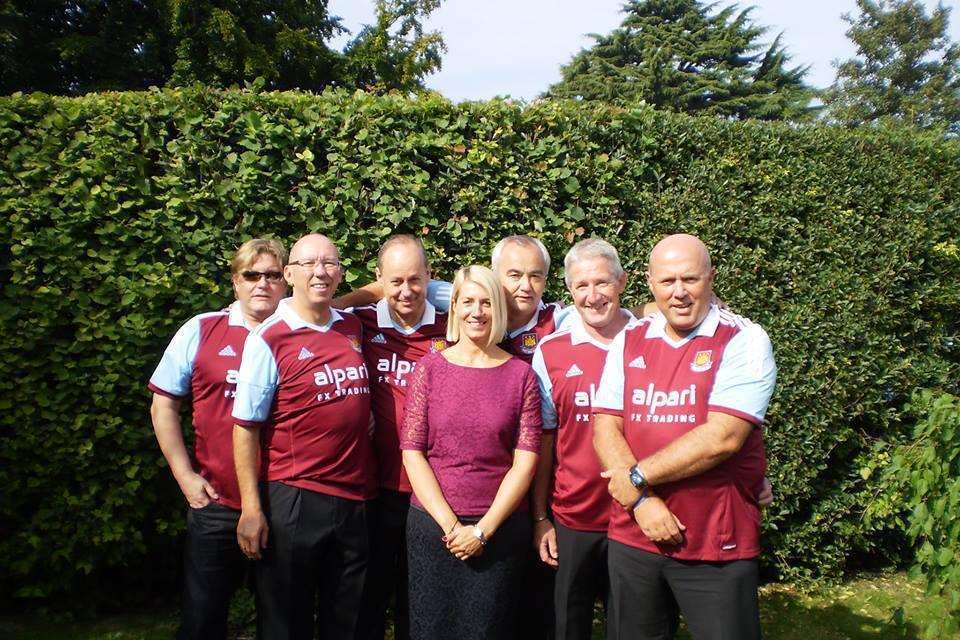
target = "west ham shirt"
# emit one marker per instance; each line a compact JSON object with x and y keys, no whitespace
{"x":391,"y":353}
{"x":201,"y":363}
{"x":308,"y":387}
{"x":664,"y":388}
{"x":568,"y":365}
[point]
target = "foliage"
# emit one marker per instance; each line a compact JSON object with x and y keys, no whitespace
{"x":120,"y":212}
{"x":906,"y":68}
{"x":930,"y":469}
{"x":72,"y":48}
{"x":677,"y":55}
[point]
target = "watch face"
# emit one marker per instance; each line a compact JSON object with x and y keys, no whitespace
{"x":636,"y":478}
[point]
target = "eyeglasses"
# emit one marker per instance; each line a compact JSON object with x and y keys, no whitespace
{"x":273,"y":277}
{"x":309,"y":264}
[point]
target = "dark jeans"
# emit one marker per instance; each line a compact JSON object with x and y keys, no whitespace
{"x":718,"y":599}
{"x":581,"y":579}
{"x":213,"y":568}
{"x":476,"y":599}
{"x":387,"y":575}
{"x":317,"y":545}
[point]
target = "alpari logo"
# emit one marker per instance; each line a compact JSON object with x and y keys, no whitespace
{"x":232,"y":376}
{"x":337,"y":377}
{"x":395,"y":365}
{"x":655,"y":399}
{"x":585,"y":398}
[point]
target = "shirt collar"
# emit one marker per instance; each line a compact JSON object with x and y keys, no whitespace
{"x":385,"y":320}
{"x":708,"y":327}
{"x":236,"y":318}
{"x":296,"y":322}
{"x":531,"y":324}
{"x":579,"y":335}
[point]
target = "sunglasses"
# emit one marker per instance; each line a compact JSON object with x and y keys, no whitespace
{"x":273,"y":277}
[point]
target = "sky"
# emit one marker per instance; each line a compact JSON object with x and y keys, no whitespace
{"x":516,"y":47}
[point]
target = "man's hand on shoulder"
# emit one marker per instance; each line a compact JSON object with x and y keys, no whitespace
{"x":657,"y":521}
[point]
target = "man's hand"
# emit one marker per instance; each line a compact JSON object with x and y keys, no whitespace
{"x":620,"y":487}
{"x":766,"y":493}
{"x":462,"y":543}
{"x":197,"y":490}
{"x":657,"y":522}
{"x":252,"y":530}
{"x":545,"y":542}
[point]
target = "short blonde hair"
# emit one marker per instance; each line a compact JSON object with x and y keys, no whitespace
{"x":483,"y":277}
{"x":250,"y":250}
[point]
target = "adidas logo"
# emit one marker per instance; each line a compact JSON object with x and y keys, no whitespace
{"x":574,"y":370}
{"x":304,"y":354}
{"x":638,"y":363}
{"x":379,"y":339}
{"x":227,"y":351}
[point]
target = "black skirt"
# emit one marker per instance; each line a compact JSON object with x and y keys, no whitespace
{"x":461,"y":600}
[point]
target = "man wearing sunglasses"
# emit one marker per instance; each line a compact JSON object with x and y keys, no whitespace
{"x":201,"y":364}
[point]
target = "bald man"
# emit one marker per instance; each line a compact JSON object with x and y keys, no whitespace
{"x":303,"y":394}
{"x":677,"y":429}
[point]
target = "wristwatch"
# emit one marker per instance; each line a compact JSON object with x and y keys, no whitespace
{"x":637,"y":478}
{"x":478,"y":534}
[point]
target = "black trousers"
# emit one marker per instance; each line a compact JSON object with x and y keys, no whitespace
{"x":387,"y":574}
{"x":476,"y":599}
{"x":213,"y":568}
{"x":581,"y":579}
{"x":537,"y":617}
{"x":317,"y":546}
{"x":718,"y":600}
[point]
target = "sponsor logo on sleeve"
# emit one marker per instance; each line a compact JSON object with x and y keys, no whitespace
{"x":702,"y":361}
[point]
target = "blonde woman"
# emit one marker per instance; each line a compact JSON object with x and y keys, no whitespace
{"x":470,"y":439}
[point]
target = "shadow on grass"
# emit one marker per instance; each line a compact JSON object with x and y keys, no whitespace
{"x":793,"y":616}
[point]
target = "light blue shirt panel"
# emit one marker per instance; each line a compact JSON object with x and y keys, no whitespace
{"x":610,"y":392}
{"x":257,"y":381}
{"x":548,"y":411}
{"x":564,"y":317}
{"x":747,"y":373}
{"x":438,"y":294}
{"x":175,"y":370}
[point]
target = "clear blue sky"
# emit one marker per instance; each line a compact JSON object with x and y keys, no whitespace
{"x":516,"y":47}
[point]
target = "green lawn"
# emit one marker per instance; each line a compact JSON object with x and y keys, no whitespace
{"x":860,"y":609}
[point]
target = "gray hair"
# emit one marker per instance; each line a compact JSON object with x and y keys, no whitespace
{"x":523,"y":241}
{"x":592,"y":248}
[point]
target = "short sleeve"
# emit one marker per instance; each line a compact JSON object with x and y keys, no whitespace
{"x":609,"y":398}
{"x":746,"y":377}
{"x":548,"y":410}
{"x":531,"y":425}
{"x":257,"y":382}
{"x":175,"y":370}
{"x":414,"y":428}
{"x":438,"y":293}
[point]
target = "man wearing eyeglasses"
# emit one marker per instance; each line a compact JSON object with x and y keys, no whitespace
{"x":201,"y":363}
{"x":303,"y":396}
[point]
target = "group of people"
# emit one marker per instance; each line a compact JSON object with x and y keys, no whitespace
{"x":490,"y":464}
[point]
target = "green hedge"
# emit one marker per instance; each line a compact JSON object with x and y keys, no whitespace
{"x":120,"y":211}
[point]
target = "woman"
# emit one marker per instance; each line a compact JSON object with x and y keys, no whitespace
{"x":470,"y":438}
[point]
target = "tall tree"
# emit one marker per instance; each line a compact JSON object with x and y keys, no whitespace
{"x":680,"y":55}
{"x":75,"y":46}
{"x":906,"y":69}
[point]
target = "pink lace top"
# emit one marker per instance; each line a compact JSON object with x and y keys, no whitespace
{"x":468,"y":421}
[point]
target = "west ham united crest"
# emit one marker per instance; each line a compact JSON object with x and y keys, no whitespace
{"x":528,"y":342}
{"x":702,"y":361}
{"x":438,"y":344}
{"x":355,"y":342}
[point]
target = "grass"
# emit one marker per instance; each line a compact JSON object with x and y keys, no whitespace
{"x":864,"y":608}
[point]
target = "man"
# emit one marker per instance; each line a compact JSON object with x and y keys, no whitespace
{"x":568,"y":365}
{"x":397,"y":331}
{"x":682,"y":396}
{"x":201,"y":363}
{"x":304,"y":384}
